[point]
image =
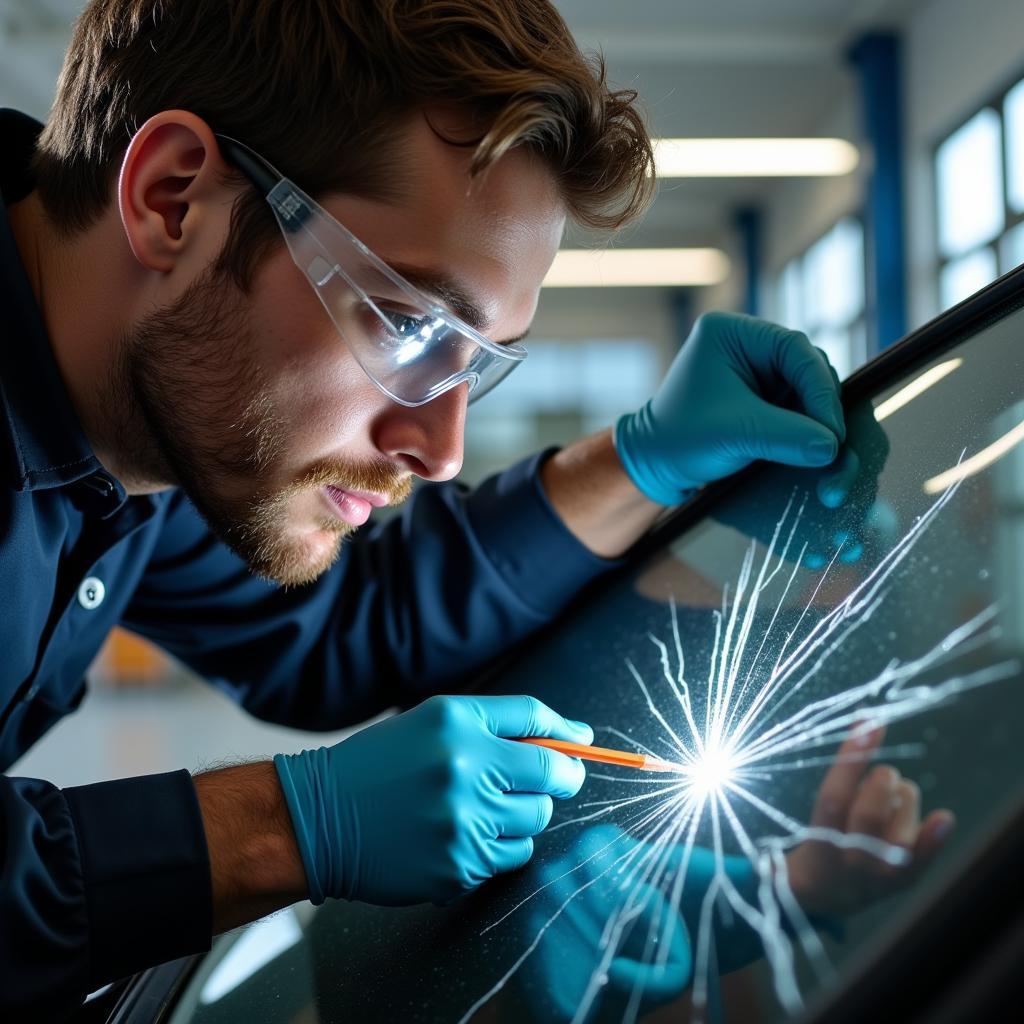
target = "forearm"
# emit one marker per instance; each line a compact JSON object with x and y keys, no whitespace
{"x":254,"y":862}
{"x":596,"y":500}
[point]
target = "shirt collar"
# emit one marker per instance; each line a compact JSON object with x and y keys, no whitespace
{"x":47,"y":445}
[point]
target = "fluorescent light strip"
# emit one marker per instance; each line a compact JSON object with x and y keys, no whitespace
{"x":637,"y":268}
{"x":753,"y":158}
{"x":915,"y":388}
{"x":976,"y":463}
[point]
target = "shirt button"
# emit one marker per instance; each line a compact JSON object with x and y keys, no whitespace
{"x":91,"y":593}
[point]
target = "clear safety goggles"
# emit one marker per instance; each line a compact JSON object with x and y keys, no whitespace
{"x":412,"y":348}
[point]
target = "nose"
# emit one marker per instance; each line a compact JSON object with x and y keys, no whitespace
{"x":428,"y":439}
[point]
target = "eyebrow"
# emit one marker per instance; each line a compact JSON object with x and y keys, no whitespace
{"x":446,"y":288}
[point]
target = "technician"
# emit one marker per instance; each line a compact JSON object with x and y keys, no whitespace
{"x":253,"y":269}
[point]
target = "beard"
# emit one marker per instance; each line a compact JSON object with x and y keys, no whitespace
{"x":201,"y":414}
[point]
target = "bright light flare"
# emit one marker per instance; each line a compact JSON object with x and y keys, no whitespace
{"x":736,"y":724}
{"x":711,"y":772}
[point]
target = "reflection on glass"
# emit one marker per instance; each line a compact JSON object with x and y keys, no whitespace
{"x":749,"y":883}
{"x":976,"y":463}
{"x":256,"y":947}
{"x":916,"y":387}
{"x":969,"y":179}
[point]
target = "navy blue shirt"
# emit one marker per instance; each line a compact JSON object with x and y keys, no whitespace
{"x":99,"y":881}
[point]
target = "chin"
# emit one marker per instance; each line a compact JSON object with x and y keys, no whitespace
{"x":299,"y":557}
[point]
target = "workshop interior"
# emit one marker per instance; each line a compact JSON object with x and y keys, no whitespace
{"x":852,"y":170}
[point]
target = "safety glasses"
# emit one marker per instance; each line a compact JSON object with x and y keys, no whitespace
{"x":410,"y":347}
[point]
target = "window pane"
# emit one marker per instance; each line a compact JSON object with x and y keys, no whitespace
{"x":834,"y":276}
{"x":790,"y":297}
{"x":836,"y":345}
{"x":616,"y":376}
{"x":1014,"y":113}
{"x":969,"y":176}
{"x":920,"y":628}
{"x":965,"y":276}
{"x":1011,"y":249}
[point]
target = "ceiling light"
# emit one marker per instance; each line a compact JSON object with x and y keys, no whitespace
{"x":753,"y":158}
{"x":637,"y":268}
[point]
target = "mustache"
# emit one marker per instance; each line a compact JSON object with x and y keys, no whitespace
{"x":378,"y":477}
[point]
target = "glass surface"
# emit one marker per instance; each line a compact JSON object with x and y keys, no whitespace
{"x":969,"y":173}
{"x":748,"y":645}
{"x":964,"y":276}
{"x":1013,"y":115}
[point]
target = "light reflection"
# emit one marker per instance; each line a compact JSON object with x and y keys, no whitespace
{"x":976,"y":463}
{"x":914,"y":388}
{"x":409,"y":351}
{"x":257,"y":946}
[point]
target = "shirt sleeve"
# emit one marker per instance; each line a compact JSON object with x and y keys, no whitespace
{"x":413,"y":607}
{"x":96,"y":882}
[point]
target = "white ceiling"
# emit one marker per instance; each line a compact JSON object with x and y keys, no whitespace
{"x":721,"y":68}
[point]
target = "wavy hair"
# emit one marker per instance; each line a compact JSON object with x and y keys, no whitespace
{"x":318,"y":87}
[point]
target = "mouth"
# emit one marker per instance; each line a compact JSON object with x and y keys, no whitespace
{"x":352,"y":507}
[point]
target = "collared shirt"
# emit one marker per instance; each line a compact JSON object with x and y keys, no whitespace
{"x":99,"y":881}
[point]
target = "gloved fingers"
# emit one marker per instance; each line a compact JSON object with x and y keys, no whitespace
{"x":522,"y":715}
{"x":808,"y":372}
{"x":510,"y":854}
{"x":528,"y":768}
{"x":835,"y":373}
{"x":657,"y":983}
{"x":637,"y":964}
{"x":834,"y":487}
{"x":780,"y":435}
{"x":524,"y":814}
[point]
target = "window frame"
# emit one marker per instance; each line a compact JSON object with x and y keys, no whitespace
{"x":996,"y":101}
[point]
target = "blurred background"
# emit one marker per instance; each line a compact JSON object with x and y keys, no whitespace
{"x":846,"y":167}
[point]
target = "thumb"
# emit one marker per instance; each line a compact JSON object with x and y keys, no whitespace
{"x":781,"y":435}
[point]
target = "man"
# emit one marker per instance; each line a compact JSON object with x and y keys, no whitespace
{"x":209,"y":379}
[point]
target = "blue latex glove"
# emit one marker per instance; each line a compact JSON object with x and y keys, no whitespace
{"x":575,"y":895}
{"x":428,"y":804}
{"x":723,"y":404}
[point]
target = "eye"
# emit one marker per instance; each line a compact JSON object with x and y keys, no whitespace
{"x":407,"y":325}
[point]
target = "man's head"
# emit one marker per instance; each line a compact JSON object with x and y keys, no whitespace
{"x":452,"y":138}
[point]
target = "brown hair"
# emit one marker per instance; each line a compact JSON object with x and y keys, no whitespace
{"x":318,"y":86}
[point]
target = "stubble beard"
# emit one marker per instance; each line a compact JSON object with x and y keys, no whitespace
{"x":200,"y":414}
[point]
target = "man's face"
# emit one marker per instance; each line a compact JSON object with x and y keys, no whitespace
{"x":258,"y":406}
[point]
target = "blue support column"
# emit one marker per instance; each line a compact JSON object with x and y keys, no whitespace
{"x":748,"y":226}
{"x":877,"y":59}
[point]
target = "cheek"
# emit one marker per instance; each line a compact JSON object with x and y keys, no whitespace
{"x":319,"y":392}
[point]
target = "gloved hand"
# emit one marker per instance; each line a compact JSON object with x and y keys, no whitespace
{"x":575,"y":896}
{"x":723,"y":404}
{"x":430,"y":803}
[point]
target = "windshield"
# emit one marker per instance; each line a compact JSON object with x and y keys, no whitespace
{"x":748,"y":644}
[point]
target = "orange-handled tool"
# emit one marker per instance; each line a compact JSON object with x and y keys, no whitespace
{"x":647,"y":762}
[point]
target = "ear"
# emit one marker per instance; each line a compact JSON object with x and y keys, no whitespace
{"x":170,"y":176}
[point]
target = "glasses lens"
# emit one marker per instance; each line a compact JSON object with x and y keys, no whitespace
{"x":408,"y":346}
